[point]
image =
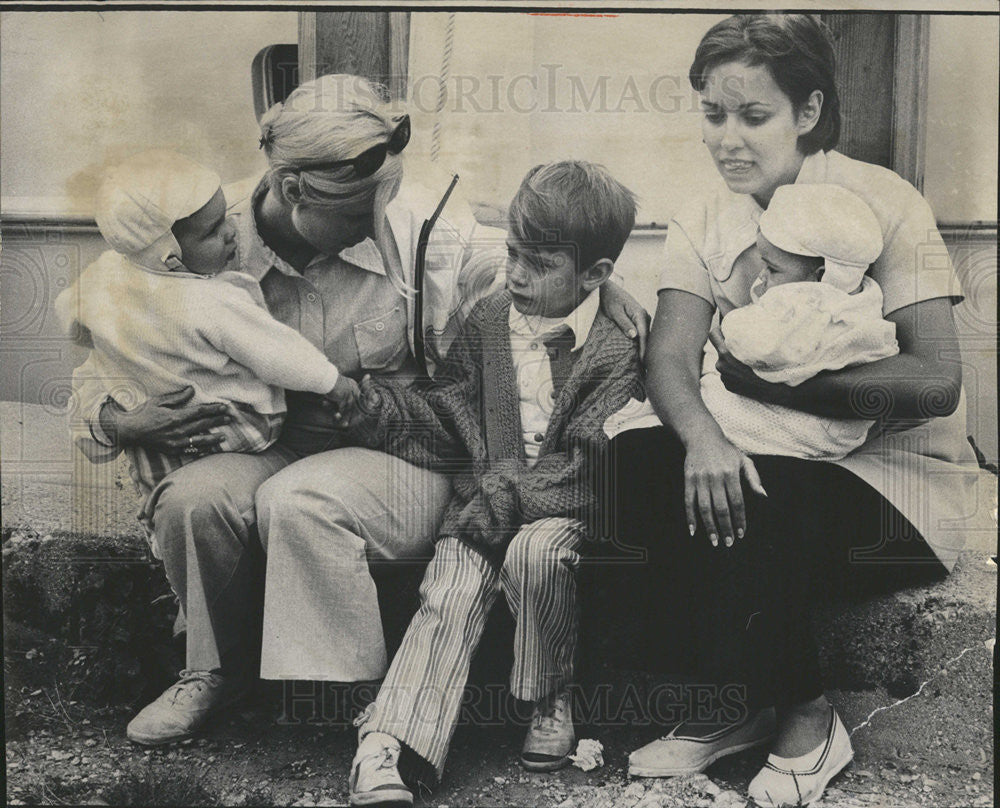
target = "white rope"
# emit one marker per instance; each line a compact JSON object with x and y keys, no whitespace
{"x":449,"y":42}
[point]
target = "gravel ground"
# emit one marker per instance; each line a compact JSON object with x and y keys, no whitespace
{"x":934,"y":749}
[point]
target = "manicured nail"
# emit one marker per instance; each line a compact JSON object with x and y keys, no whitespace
{"x":691,"y":529}
{"x":739,"y":533}
{"x":714,"y":539}
{"x":729,"y":541}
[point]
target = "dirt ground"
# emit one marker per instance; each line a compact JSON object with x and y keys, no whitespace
{"x":933,"y":749}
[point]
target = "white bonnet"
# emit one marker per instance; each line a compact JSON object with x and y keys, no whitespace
{"x":140,"y":199}
{"x":828,"y":222}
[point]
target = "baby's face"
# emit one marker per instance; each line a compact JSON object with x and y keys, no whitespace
{"x":782,"y":267}
{"x":207,"y":238}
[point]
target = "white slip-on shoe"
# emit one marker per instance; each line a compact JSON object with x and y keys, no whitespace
{"x":184,"y":707}
{"x":676,"y":754}
{"x":551,"y":737}
{"x":802,"y":780}
{"x":375,"y":776}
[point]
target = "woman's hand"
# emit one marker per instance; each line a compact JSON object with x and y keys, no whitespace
{"x":740,"y":378}
{"x":164,"y":424}
{"x":921,"y":382}
{"x":626,"y":313}
{"x":713,"y":471}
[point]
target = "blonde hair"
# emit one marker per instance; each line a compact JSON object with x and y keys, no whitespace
{"x":337,"y":117}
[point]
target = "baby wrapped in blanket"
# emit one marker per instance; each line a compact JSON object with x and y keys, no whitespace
{"x":813,"y":309}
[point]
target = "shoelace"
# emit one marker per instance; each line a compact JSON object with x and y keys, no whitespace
{"x":364,"y":715}
{"x":383,"y":771}
{"x":546,"y":721}
{"x":388,"y":758}
{"x":200,"y":679}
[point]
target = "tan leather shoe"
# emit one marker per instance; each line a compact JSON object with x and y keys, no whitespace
{"x":375,"y":776}
{"x":551,"y":737}
{"x":183,"y":708}
{"x":802,"y":780}
{"x":677,"y":753}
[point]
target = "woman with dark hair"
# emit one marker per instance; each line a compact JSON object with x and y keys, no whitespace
{"x":738,"y":546}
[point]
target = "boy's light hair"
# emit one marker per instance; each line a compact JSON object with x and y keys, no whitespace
{"x":575,"y":204}
{"x":336,"y":117}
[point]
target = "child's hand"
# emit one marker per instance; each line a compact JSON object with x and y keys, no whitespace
{"x":344,"y":397}
{"x":364,"y":404}
{"x":370,"y":400}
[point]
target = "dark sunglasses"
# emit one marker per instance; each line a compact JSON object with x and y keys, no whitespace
{"x":370,"y":160}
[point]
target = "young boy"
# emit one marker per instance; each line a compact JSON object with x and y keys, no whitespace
{"x":517,"y":414}
{"x":165,"y":310}
{"x":813,"y":309}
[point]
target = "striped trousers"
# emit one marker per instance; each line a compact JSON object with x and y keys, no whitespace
{"x":420,"y":698}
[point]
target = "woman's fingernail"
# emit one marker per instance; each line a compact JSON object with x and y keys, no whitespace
{"x":739,"y":533}
{"x":714,"y":539}
{"x":729,"y":541}
{"x":691,"y":529}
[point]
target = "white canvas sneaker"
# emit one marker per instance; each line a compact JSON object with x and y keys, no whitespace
{"x":551,"y":736}
{"x":184,"y":707}
{"x":375,"y":776}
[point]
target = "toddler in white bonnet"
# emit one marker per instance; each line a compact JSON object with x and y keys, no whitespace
{"x":167,"y":309}
{"x":813,"y":309}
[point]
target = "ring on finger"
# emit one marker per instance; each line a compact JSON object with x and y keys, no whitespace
{"x":191,"y":448}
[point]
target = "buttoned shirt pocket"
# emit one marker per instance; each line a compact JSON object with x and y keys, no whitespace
{"x":382,"y":338}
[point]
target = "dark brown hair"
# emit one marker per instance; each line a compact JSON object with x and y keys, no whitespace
{"x":795,"y":48}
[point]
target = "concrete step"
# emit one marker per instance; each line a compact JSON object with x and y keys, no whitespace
{"x":77,"y":567}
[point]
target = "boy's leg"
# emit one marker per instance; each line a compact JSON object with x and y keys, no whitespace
{"x":419,"y":701}
{"x":539,"y":580}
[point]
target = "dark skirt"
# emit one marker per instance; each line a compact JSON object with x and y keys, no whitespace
{"x":660,"y":600}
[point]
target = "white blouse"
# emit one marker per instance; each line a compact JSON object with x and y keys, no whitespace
{"x":929,"y":473}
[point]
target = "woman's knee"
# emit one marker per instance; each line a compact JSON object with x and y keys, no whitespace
{"x":200,"y":501}
{"x":293,"y":497}
{"x":295,"y":490}
{"x":188,"y":491}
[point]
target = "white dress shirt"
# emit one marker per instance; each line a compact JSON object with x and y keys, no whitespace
{"x":533,"y":370}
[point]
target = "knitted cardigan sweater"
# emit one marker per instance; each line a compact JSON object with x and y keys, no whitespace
{"x":466,"y":423}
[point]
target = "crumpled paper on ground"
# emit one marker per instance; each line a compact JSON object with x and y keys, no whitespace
{"x":589,"y":754}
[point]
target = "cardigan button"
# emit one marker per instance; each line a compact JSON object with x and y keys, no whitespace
{"x":539,"y":437}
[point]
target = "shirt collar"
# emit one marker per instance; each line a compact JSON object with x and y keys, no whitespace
{"x":812,"y":170}
{"x":579,"y":321}
{"x":739,"y":214}
{"x":257,"y":259}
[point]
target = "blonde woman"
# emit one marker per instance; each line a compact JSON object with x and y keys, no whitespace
{"x":331,"y":234}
